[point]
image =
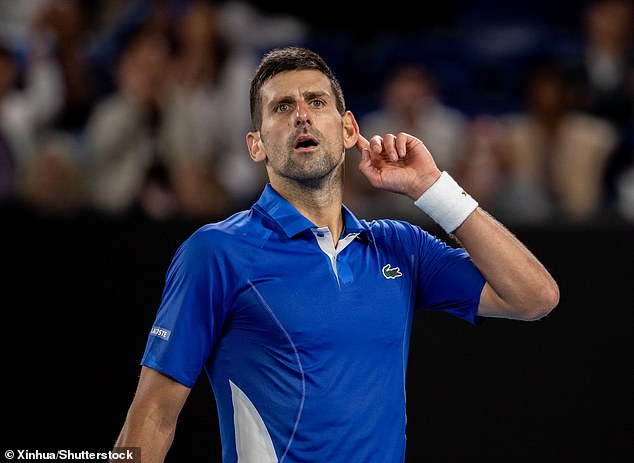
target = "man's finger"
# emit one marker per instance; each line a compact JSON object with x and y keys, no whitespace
{"x":389,"y":145}
{"x":401,"y":144}
{"x":362,"y":144}
{"x":376,"y":144}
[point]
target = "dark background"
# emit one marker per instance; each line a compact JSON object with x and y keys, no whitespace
{"x":79,"y":296}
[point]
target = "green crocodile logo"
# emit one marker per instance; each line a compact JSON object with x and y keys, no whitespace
{"x":391,"y":273}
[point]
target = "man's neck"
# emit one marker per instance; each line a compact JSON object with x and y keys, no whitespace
{"x":321,"y":205}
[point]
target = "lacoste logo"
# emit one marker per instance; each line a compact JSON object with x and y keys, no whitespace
{"x":391,"y":273}
{"x":160,"y":332}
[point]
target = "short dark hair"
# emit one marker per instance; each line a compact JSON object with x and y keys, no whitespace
{"x":284,"y":59}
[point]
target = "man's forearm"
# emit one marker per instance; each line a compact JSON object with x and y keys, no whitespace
{"x":519,"y":285}
{"x":149,"y":431}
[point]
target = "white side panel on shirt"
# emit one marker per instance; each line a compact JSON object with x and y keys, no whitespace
{"x":253,"y":441}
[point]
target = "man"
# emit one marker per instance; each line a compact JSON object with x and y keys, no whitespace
{"x":300,"y":313}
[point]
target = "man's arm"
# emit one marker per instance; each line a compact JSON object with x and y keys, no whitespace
{"x":151,"y":419}
{"x":517,"y":284}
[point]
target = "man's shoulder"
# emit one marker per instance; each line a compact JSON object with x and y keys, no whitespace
{"x":226,"y":232}
{"x":388,"y":227}
{"x":397,"y":234}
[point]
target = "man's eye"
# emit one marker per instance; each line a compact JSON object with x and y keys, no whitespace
{"x":317,"y":103}
{"x":283,"y":107}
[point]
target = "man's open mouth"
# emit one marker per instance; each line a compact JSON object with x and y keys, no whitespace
{"x":305,"y":142}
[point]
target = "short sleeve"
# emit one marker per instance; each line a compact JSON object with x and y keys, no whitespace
{"x":448,"y":280}
{"x":191,"y":312}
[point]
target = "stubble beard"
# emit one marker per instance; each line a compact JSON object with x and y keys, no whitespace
{"x":315,"y":176}
{"x":311,"y":171}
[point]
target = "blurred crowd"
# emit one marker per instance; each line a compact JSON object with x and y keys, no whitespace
{"x":140,"y":108}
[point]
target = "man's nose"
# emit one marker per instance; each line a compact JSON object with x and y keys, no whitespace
{"x":302,"y":117}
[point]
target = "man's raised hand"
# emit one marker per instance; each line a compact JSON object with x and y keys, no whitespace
{"x":399,"y":163}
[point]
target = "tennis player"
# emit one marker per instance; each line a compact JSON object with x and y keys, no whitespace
{"x":300,"y":313}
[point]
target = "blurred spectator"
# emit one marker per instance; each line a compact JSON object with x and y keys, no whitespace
{"x":30,"y":97}
{"x":123,"y":132}
{"x":158,"y":139}
{"x":62,"y":30}
{"x":605,"y":79}
{"x":605,"y":74}
{"x":117,"y":19}
{"x":204,"y":121}
{"x":483,"y":170}
{"x":556,"y":155}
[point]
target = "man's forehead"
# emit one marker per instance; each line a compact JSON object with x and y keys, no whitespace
{"x":295,"y":83}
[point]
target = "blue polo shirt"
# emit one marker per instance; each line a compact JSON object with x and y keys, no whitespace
{"x":305,"y":345}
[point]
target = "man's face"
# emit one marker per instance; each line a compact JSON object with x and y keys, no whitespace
{"x":302,"y":133}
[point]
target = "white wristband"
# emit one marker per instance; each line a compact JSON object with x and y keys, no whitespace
{"x":446,"y":203}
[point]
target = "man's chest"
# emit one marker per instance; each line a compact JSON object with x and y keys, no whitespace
{"x":360,"y":295}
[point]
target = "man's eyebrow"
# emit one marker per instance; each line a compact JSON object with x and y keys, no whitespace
{"x":287,"y":99}
{"x":309,"y":95}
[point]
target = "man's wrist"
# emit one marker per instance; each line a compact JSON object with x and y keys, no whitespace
{"x":423,"y":184}
{"x":446,"y":203}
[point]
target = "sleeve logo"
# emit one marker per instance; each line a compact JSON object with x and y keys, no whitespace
{"x":391,"y":273}
{"x":160,"y":332}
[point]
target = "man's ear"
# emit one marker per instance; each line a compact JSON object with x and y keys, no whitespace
{"x":254,"y":143}
{"x":350,"y":130}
